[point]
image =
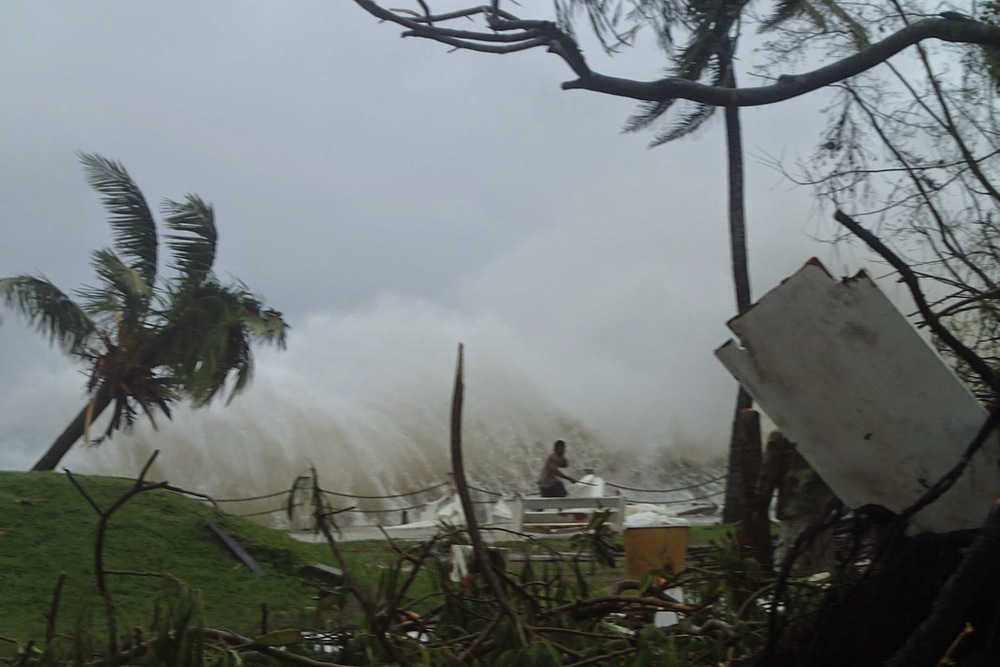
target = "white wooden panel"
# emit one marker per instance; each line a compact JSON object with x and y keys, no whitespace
{"x":524,"y":506}
{"x":872,"y":406}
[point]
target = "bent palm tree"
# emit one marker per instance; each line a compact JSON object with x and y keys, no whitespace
{"x":149,"y":341}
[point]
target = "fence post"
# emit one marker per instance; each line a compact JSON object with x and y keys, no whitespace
{"x":518,"y":513}
{"x":302,"y":516}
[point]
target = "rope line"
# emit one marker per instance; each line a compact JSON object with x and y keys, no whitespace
{"x":393,"y":495}
{"x":486,"y":491}
{"x":675,"y":502}
{"x":261,"y":513}
{"x":387,"y":511}
{"x":475,"y":502}
{"x":679,"y":488}
{"x":263,"y":497}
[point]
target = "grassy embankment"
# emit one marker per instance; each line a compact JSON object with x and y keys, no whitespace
{"x":47,"y":527}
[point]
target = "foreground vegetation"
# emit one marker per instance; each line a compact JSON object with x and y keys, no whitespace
{"x":175,"y":595}
{"x":47,"y":528}
{"x":166,"y":568}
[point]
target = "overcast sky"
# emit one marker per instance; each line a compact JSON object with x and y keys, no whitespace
{"x":393,"y":200}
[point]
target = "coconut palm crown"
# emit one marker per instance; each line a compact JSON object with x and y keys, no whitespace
{"x":148,"y":341}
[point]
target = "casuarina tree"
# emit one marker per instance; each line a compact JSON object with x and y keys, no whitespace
{"x":699,"y":79}
{"x":149,"y":341}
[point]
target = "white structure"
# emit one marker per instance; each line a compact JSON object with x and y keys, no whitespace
{"x":548,"y":513}
{"x":872,"y":406}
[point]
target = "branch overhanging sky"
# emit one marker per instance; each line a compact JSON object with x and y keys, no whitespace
{"x":394,"y":199}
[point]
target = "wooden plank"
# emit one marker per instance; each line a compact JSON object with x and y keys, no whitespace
{"x":608,"y":502}
{"x":524,"y":510}
{"x":236,"y":549}
{"x":654,"y":547}
{"x":331,"y":575}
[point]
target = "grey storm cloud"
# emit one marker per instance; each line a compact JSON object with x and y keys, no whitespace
{"x":393,"y":199}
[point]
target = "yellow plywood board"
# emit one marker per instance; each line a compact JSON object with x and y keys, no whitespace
{"x":654,"y":548}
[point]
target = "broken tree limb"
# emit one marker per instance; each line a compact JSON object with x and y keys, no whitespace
{"x":975,"y":362}
{"x":947,"y":617}
{"x":948,"y":479}
{"x":502,"y":33}
{"x":140,"y":486}
{"x":755,"y":526}
{"x":462,"y":487}
{"x":832,"y":513}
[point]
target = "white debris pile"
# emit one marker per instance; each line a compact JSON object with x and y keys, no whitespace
{"x":645,"y":514}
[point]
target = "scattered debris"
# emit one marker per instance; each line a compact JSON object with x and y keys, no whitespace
{"x":236,"y":549}
{"x":327,"y":574}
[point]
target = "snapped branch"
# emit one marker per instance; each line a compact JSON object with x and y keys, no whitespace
{"x":505,"y":33}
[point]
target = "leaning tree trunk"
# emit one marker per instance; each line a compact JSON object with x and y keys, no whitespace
{"x":73,"y":432}
{"x":741,"y":282}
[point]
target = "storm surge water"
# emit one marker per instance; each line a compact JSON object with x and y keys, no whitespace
{"x":365,"y":398}
{"x":591,"y":330}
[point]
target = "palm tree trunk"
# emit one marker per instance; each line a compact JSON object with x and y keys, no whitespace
{"x":741,"y":282}
{"x":74,"y":431}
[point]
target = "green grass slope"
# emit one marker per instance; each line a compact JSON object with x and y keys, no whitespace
{"x":47,"y":527}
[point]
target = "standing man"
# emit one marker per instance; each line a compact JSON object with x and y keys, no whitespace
{"x":548,"y":482}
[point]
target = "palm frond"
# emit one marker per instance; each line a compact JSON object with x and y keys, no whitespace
{"x":688,"y":119}
{"x":50,"y":311}
{"x":266,"y":325}
{"x":701,"y":50}
{"x":647,"y":114}
{"x":194,"y":239}
{"x":784,"y":10}
{"x":132,"y":225}
{"x":124,"y":295}
{"x":208,"y":336}
{"x":685,"y":125}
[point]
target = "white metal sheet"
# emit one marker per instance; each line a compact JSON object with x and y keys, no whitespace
{"x":873,"y":408}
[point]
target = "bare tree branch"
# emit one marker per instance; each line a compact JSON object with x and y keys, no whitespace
{"x":462,"y":487}
{"x":960,"y":349}
{"x":534,"y":34}
{"x":140,"y":486}
{"x":947,"y":617}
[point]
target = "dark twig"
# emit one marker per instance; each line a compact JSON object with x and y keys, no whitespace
{"x":416,"y":562}
{"x":323,"y":518}
{"x":832,"y":513}
{"x":974,"y":361}
{"x":947,"y":617}
{"x":462,"y":488}
{"x":599,"y":659}
{"x":949,"y":478}
{"x":228,"y":639}
{"x":140,"y":486}
{"x":480,"y":638}
{"x":601,"y":605}
{"x":50,"y":617}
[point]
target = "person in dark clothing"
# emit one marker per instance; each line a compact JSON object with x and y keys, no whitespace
{"x":549,"y":483}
